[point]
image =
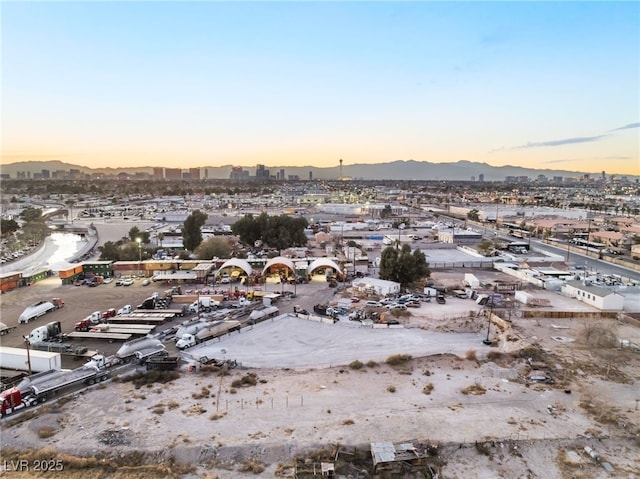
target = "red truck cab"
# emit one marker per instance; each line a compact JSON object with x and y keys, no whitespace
{"x":9,"y":400}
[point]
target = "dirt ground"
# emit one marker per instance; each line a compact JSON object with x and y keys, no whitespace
{"x":475,"y":405}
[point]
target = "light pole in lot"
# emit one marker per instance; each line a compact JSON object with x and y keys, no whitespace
{"x":139,"y":241}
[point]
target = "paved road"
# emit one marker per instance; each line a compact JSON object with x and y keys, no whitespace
{"x":589,"y":262}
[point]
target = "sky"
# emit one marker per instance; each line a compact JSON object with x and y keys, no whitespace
{"x":193,"y":84}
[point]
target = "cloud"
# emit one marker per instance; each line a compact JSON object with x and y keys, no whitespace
{"x":561,"y":161}
{"x":565,"y":141}
{"x":627,"y":127}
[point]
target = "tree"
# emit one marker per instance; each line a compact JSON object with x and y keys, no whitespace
{"x":213,"y":248}
{"x":31,"y":214}
{"x":135,"y":233}
{"x":192,"y":230}
{"x":473,"y":215}
{"x":485,"y":247}
{"x":109,"y":251}
{"x":8,"y":227}
{"x":386,"y":212}
{"x":279,"y":232}
{"x":403,"y":266}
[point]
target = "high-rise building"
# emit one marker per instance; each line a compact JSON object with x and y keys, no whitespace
{"x":481,"y":177}
{"x":46,"y":174}
{"x":173,"y":173}
{"x":310,"y":175}
{"x":262,"y":173}
{"x":282,"y":177}
{"x":158,"y":173}
{"x":195,"y":173}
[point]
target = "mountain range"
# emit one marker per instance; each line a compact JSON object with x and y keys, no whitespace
{"x":395,"y":170}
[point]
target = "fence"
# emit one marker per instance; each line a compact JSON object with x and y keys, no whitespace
{"x":461,"y":264}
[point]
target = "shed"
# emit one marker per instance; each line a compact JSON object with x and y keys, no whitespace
{"x":380,"y":287}
{"x":596,"y":296}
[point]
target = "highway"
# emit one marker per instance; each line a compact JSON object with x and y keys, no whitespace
{"x":589,"y":263}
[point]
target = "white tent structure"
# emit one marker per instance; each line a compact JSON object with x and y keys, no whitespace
{"x":280,"y":260}
{"x":236,"y":263}
{"x":323,"y":263}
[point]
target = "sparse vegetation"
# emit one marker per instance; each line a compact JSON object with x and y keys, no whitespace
{"x":348,"y":422}
{"x":398,"y":359}
{"x":474,"y":389}
{"x":427,"y":389}
{"x":391,"y":389}
{"x":151,"y":377}
{"x":371,"y":363}
{"x":251,"y":465}
{"x":46,"y":432}
{"x":356,"y":364}
{"x":471,"y":355}
{"x":204,"y":393}
{"x":249,"y":379}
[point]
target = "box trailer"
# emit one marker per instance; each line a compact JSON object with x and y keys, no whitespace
{"x":16,"y":358}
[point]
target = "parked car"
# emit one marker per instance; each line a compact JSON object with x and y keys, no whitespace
{"x":396,"y":306}
{"x":372,"y":304}
{"x":127,"y":282}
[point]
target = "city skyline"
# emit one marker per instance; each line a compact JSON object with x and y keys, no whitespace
{"x":537,"y":85}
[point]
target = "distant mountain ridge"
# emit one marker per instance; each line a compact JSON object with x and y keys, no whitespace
{"x":395,"y":170}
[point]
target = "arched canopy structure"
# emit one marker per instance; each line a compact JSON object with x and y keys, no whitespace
{"x":280,"y":260}
{"x":323,"y":263}
{"x":237,"y":263}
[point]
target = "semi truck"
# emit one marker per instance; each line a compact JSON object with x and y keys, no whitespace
{"x":261,"y":314}
{"x":128,"y":350}
{"x":4,"y":329}
{"x":39,"y":387}
{"x":38,"y":309}
{"x":215,"y":329}
{"x":48,"y":332}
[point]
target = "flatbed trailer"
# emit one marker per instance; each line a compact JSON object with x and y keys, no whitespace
{"x":131,"y":331}
{"x":170,"y":312}
{"x":142,"y":327}
{"x":142,"y":320}
{"x":108,"y":336}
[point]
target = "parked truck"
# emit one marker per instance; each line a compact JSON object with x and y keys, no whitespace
{"x":126,"y":309}
{"x":261,"y":314}
{"x":215,"y":329}
{"x":128,"y":350}
{"x":48,"y":332}
{"x":38,"y":309}
{"x":4,"y":329}
{"x":39,"y":387}
{"x":193,"y":327}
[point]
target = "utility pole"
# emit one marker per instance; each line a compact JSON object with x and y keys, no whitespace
{"x":28,"y":344}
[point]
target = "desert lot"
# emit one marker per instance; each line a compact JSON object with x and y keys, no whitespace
{"x":307,"y":386}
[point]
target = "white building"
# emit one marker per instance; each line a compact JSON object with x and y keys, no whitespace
{"x":376,"y":286}
{"x":596,"y":296}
